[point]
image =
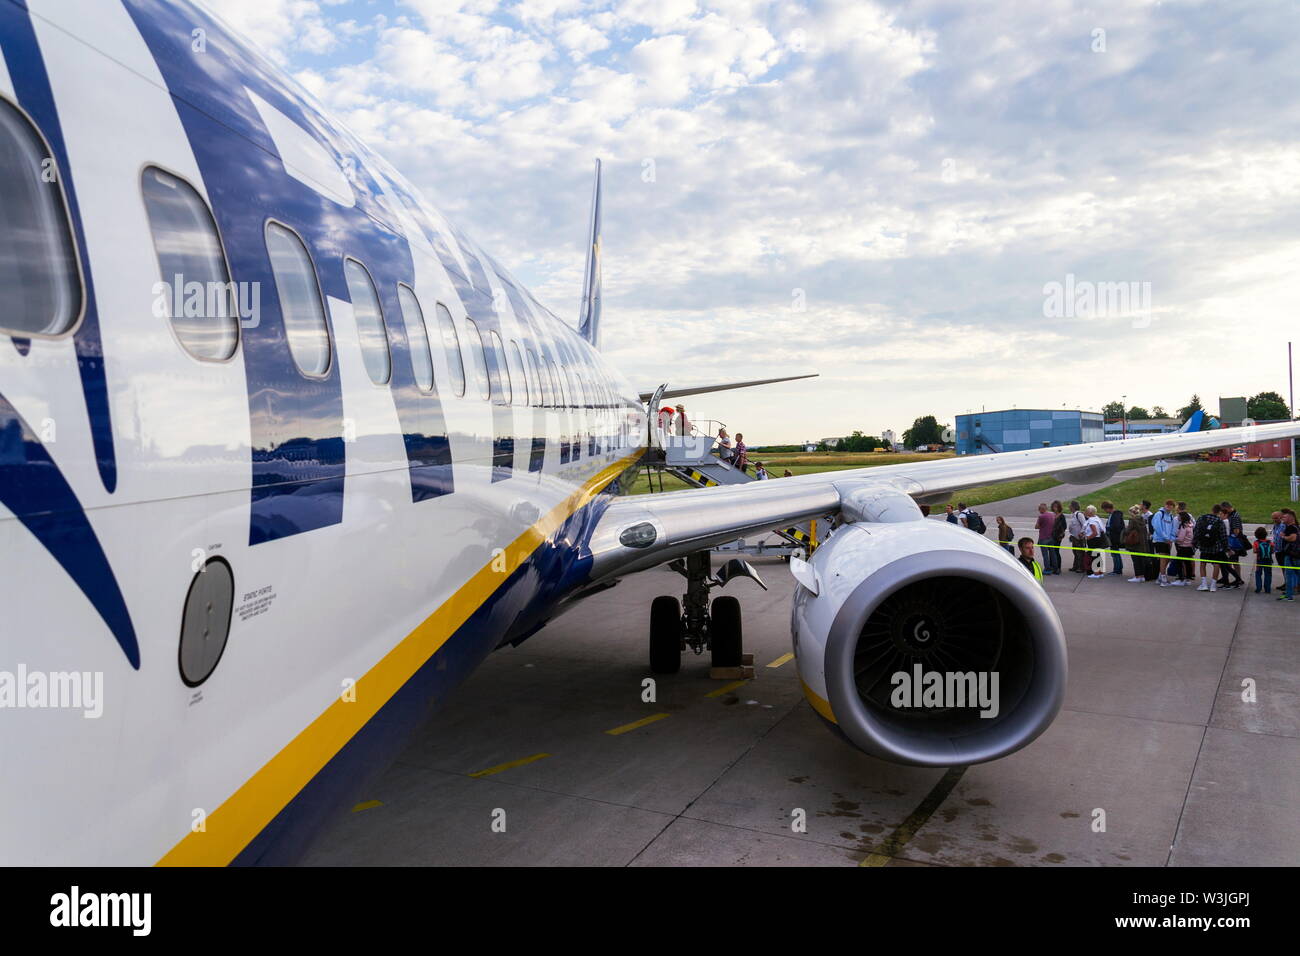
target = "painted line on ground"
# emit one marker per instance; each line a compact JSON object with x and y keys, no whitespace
{"x":915,"y":820}
{"x":636,"y":724}
{"x":783,"y":659}
{"x":368,"y":805}
{"x":726,"y":688}
{"x":507,"y":766}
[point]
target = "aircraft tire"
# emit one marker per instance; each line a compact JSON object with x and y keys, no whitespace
{"x":725,"y":639}
{"x":665,"y":635}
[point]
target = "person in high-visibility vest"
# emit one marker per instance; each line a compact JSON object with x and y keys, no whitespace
{"x":1026,"y":546}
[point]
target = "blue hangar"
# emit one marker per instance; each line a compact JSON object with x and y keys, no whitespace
{"x":1019,"y":429}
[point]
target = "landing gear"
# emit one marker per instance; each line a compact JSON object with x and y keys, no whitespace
{"x":695,"y":623}
{"x":665,"y":635}
{"x":724,"y":632}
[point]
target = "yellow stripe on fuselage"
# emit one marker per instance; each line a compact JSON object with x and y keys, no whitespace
{"x":233,"y":825}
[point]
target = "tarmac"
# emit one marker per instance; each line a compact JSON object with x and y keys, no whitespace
{"x":550,"y":754}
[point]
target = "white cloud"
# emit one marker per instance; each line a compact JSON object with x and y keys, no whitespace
{"x":918,"y":170}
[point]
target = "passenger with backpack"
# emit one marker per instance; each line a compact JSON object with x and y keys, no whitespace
{"x":970,"y":518}
{"x":1077,"y":528}
{"x":1289,"y":555}
{"x":1164,"y":528}
{"x":1137,"y":539}
{"x":1058,"y":535}
{"x":1263,"y":549}
{"x":1208,"y":537}
{"x":1236,"y":544}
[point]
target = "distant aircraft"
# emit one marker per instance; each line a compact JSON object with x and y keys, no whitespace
{"x":284,"y":455}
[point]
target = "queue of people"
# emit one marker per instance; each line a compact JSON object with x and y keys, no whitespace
{"x":1167,"y":546}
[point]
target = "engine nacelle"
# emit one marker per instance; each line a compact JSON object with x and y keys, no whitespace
{"x":896,"y":605}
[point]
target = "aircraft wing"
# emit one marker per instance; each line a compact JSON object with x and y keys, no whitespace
{"x":721,"y":386}
{"x":645,"y":530}
{"x":889,"y":600}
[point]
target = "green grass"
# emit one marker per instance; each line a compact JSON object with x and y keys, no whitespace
{"x":1255,"y":488}
{"x":983,"y":494}
{"x":805,"y":463}
{"x":797,"y":463}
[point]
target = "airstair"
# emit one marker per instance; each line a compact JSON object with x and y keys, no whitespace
{"x":691,"y":458}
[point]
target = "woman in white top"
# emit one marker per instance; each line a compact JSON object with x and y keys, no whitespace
{"x":1093,"y":529}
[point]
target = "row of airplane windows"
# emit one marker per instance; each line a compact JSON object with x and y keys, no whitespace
{"x":40,"y":290}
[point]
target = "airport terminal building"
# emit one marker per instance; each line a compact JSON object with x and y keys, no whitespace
{"x":1019,"y":429}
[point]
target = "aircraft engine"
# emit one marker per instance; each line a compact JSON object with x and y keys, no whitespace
{"x":925,"y":643}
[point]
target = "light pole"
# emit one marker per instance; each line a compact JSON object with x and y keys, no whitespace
{"x":1123,"y":416}
{"x":1290,"y":384}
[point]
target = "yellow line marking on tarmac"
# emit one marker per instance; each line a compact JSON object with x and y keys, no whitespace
{"x":368,"y":805}
{"x":916,"y":819}
{"x":507,"y":766}
{"x":726,"y":688}
{"x":783,"y":659}
{"x":636,"y":724}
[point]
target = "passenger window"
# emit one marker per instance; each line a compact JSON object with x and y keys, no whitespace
{"x":189,"y":253}
{"x":300,"y":302}
{"x":371,"y":331}
{"x":534,"y":379}
{"x":451,"y":350}
{"x":417,"y":336}
{"x":497,"y":369}
{"x":561,"y":395}
{"x":478,"y":359}
{"x":518,"y":373}
{"x":40,"y":287}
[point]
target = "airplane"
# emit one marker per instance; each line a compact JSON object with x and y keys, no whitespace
{"x":285,"y":454}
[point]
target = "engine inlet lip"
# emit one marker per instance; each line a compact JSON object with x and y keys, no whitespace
{"x":1032,"y":715}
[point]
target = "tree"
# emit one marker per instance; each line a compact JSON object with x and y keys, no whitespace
{"x":1191,"y":408}
{"x":1159,"y":412}
{"x":1138,"y":414}
{"x":924,"y":431}
{"x":1112,"y":410}
{"x":1267,"y":406}
{"x":859,"y":442}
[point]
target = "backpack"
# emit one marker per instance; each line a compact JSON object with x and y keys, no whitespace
{"x":1264,"y":549}
{"x":1208,"y":534}
{"x":975,"y":522}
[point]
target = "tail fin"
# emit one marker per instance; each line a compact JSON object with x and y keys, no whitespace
{"x":1193,"y":423}
{"x":589,"y":319}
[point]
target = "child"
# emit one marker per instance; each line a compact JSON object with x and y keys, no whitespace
{"x":1263,"y":548}
{"x":1005,"y":535}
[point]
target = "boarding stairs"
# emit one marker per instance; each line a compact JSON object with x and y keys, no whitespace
{"x":691,"y":458}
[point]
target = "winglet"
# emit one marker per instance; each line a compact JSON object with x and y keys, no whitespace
{"x":589,"y":319}
{"x":1193,"y":423}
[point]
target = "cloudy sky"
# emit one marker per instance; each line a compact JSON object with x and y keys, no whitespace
{"x":883,"y":193}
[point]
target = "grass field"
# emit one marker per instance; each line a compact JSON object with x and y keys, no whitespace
{"x":798,"y":463}
{"x":1206,"y":487}
{"x":1255,"y":488}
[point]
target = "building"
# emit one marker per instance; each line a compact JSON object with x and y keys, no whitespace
{"x":1019,"y":429}
{"x":1137,"y":428}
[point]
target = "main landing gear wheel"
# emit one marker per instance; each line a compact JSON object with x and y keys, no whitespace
{"x":666,"y":635}
{"x":725,"y":640}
